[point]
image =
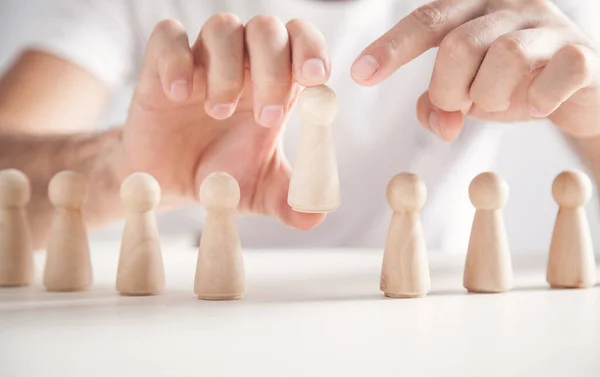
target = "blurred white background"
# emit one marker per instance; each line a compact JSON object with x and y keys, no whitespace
{"x":530,"y":157}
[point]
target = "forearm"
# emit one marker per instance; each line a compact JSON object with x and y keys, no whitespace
{"x":36,"y":96}
{"x":95,"y":155}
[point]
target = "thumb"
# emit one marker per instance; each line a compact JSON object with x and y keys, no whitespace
{"x":446,"y":125}
{"x":274,"y":195}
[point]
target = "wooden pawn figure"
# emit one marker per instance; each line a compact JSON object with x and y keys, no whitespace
{"x":488,"y":268}
{"x":405,"y":270}
{"x":16,"y":253}
{"x":314,"y":185}
{"x":68,"y":266}
{"x":220,"y":269}
{"x":571,"y":261}
{"x":140,"y":270}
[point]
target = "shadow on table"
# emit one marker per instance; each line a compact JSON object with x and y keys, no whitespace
{"x":356,"y":286}
{"x":516,"y":289}
{"x":348,"y":287}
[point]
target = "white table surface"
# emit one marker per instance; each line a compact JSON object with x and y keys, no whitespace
{"x":306,"y":313}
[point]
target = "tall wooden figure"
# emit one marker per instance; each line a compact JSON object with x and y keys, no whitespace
{"x":488,"y":267}
{"x":314,"y":185}
{"x":16,"y":254}
{"x":405,"y":270}
{"x":140,"y":270}
{"x":68,"y":266}
{"x":571,"y":261}
{"x":220,"y":269}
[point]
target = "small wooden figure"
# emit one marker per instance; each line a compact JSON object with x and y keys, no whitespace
{"x":140,"y":270}
{"x":405,"y":270}
{"x":314,"y":185}
{"x":571,"y":261}
{"x":488,"y":267}
{"x":68,"y":266}
{"x":16,"y":253}
{"x":220,"y":269}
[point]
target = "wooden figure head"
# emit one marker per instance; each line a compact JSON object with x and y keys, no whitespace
{"x":406,"y":192}
{"x":572,"y":188}
{"x":140,"y":192}
{"x":488,"y":191}
{"x":318,"y":106}
{"x":15,"y":190}
{"x":67,"y":189}
{"x":219,"y":191}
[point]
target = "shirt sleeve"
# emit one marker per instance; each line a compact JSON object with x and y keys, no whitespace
{"x":584,"y":13}
{"x":97,"y":35}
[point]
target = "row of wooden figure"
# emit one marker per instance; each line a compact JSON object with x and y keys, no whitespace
{"x":220,"y":268}
{"x":314,"y":187}
{"x":488,"y":266}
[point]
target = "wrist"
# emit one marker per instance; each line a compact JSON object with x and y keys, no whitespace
{"x":40,"y":157}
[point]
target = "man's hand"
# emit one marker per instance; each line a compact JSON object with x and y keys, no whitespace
{"x":220,"y":106}
{"x":498,"y":60}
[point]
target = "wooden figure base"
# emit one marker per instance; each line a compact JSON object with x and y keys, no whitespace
{"x":142,"y":294}
{"x":219,"y":297}
{"x":479,"y":291}
{"x":405,"y":295}
{"x":15,"y":285}
{"x":67,"y":290}
{"x":554,"y":286}
{"x":312,"y":210}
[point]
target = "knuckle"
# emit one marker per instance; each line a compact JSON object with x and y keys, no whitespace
{"x":274,"y":79}
{"x":273,"y":86}
{"x":227,"y":87}
{"x":223,"y":21}
{"x":264,"y":24}
{"x":541,"y":4}
{"x":185,"y":60}
{"x":512,"y":46}
{"x":166,"y":26}
{"x":458,"y":46}
{"x":175,"y":62}
{"x":297,"y":23}
{"x":389,"y":45}
{"x":580,"y":62}
{"x":307,"y":33}
{"x":430,"y":16}
{"x":392,"y":44}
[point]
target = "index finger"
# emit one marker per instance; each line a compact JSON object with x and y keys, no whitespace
{"x":421,"y":30}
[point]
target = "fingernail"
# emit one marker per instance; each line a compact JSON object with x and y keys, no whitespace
{"x":434,"y":123}
{"x":313,"y":70}
{"x":180,"y":90}
{"x":271,"y":115}
{"x":535,"y":112}
{"x":365,"y":67}
{"x":222,"y":110}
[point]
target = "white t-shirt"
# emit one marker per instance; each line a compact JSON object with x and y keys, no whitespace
{"x":376,"y":132}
